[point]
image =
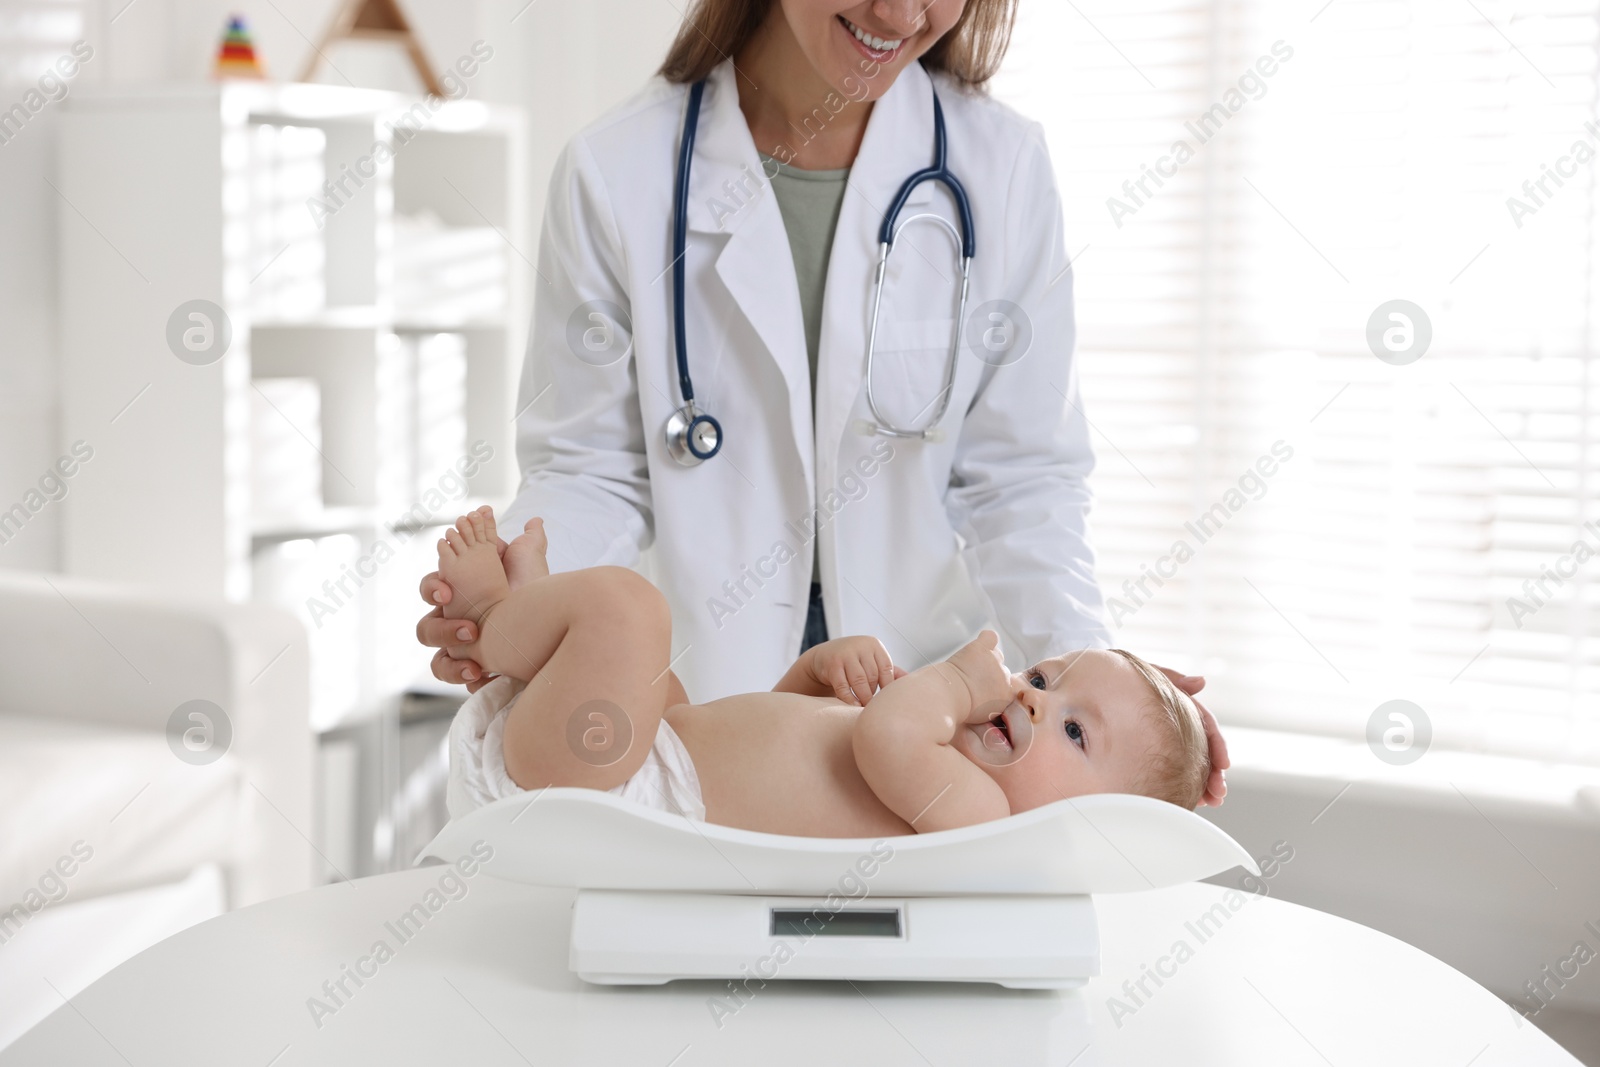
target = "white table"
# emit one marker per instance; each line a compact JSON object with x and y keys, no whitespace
{"x":484,"y":982}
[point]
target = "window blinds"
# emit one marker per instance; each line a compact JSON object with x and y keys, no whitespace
{"x":1320,"y":531}
{"x":34,"y":34}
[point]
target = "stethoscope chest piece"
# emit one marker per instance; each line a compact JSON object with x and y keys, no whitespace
{"x":692,"y":435}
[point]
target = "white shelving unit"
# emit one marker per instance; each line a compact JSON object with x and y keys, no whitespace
{"x":368,"y":253}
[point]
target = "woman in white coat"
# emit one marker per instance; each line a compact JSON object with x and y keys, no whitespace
{"x":805,"y":523}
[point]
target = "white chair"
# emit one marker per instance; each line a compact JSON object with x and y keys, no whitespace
{"x":119,"y":824}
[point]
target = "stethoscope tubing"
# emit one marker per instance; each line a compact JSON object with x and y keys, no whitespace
{"x":939,"y":172}
{"x":693,"y":436}
{"x":688,"y":427}
{"x":680,"y":237}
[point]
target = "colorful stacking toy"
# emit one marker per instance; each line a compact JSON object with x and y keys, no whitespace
{"x":237,"y":56}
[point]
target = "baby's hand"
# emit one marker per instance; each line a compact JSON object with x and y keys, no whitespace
{"x":983,"y":669}
{"x":853,"y":667}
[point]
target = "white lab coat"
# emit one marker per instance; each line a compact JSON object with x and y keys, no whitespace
{"x":922,"y":544}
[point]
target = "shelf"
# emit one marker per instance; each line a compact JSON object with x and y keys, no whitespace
{"x":301,"y":103}
{"x":376,"y":347}
{"x":446,"y":324}
{"x":274,"y":530}
{"x":370,"y":318}
{"x":337,"y":520}
{"x":445,"y":517}
{"x":350,"y":317}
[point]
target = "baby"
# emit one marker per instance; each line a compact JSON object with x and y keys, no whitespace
{"x":846,"y":745}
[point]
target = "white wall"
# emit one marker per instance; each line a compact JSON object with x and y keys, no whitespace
{"x":565,"y":61}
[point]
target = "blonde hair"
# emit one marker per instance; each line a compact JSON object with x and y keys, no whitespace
{"x":1180,"y":766}
{"x":713,"y":30}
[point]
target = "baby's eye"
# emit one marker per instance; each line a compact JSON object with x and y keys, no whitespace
{"x":1036,"y":679}
{"x":1074,"y":732}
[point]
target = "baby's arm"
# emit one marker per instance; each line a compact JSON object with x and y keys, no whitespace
{"x":902,"y":740}
{"x":849,"y":668}
{"x":799,"y":678}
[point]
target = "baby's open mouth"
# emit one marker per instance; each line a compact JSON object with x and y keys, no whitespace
{"x":997,"y":734}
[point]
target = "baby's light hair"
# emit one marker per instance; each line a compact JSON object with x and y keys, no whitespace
{"x":1180,"y":765}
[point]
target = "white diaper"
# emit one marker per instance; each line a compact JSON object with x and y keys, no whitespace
{"x":666,"y":782}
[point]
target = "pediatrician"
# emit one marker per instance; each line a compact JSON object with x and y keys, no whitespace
{"x":815,"y":440}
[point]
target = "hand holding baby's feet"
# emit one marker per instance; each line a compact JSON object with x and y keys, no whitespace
{"x":469,"y":560}
{"x":981,"y":667}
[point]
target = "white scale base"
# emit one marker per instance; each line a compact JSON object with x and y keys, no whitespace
{"x":1008,"y":902}
{"x":632,"y":937}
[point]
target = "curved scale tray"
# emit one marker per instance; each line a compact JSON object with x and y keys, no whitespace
{"x":587,"y":839}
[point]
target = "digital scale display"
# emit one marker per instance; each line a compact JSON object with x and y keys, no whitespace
{"x":855,"y":922}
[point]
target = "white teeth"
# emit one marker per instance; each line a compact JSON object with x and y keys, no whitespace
{"x":877,"y":44}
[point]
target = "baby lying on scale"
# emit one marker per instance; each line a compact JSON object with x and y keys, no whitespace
{"x":846,"y":745}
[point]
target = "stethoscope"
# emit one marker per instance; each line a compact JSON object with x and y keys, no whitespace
{"x":693,"y":435}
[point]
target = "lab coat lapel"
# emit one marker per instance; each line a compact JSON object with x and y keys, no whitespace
{"x":898,"y":142}
{"x":730,"y":196}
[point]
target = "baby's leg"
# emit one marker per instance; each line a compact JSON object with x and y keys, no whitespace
{"x":593,"y":646}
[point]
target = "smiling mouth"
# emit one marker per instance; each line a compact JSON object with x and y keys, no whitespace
{"x":877,"y":47}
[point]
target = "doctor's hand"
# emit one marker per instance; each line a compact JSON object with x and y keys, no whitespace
{"x":447,"y":635}
{"x":1217,"y":786}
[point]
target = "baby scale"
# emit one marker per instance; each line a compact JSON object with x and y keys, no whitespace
{"x":660,"y":897}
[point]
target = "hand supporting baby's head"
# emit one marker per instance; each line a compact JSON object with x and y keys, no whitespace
{"x":1179,"y":762}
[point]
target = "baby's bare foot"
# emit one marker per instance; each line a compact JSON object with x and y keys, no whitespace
{"x":470,"y":562}
{"x":524,"y":558}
